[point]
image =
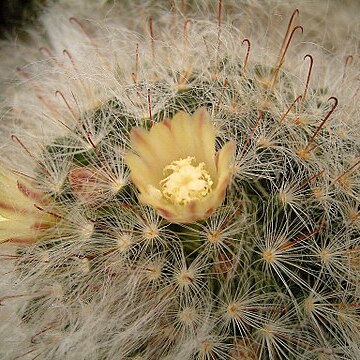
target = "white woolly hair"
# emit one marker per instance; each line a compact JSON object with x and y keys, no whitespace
{"x":246,"y":283}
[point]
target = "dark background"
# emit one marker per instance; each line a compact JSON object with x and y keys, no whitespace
{"x":16,"y":13}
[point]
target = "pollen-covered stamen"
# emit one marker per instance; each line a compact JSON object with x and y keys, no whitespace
{"x":188,"y":315}
{"x":185,"y":278}
{"x":186,"y":182}
{"x":269,"y":256}
{"x":124,"y":242}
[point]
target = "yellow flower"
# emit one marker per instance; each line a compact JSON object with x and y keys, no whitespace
{"x":20,"y":220}
{"x":175,"y":167}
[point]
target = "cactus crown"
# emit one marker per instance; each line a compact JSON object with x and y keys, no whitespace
{"x":268,"y":270}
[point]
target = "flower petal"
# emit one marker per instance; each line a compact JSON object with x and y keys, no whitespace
{"x":205,"y":135}
{"x":223,"y":165}
{"x":195,"y":136}
{"x":224,"y":158}
{"x":20,"y":221}
{"x":183,"y":134}
{"x":157,"y":146}
{"x":142,"y":173}
{"x":173,"y":139}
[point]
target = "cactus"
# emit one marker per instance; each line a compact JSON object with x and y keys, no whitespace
{"x":255,"y":255}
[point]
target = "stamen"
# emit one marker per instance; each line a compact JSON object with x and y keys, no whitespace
{"x":66,"y":53}
{"x":186,"y":40}
{"x":183,"y":7}
{"x":186,"y":182}
{"x":289,"y":109}
{"x":282,"y":59}
{"x":247,"y":52}
{"x":326,"y":118}
{"x":90,"y":140}
{"x":44,"y":50}
{"x":311,"y":178}
{"x":29,"y":193}
{"x":73,"y":19}
{"x":290,"y":243}
{"x":15,"y":138}
{"x":58,"y":92}
{"x":149,"y":106}
{"x":308,"y":75}
{"x":346,"y":172}
{"x":249,"y":138}
{"x":240,"y":205}
{"x":56,"y":216}
{"x":219,"y":19}
{"x":304,"y":152}
{"x":295,"y":13}
{"x":219,"y":30}
{"x":349,"y":59}
{"x":152,"y":38}
{"x":135,"y":74}
{"x":184,"y":77}
{"x":222,"y":94}
{"x":27,"y":76}
{"x":173,"y":16}
{"x":33,"y":341}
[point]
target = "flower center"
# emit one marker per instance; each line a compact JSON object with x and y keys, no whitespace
{"x":185,"y":182}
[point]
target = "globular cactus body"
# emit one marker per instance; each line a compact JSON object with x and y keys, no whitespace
{"x":182,"y":196}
